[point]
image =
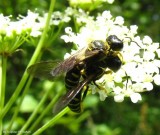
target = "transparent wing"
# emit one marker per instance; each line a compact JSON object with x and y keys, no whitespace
{"x":73,"y":60}
{"x":42,"y":69}
{"x":70,"y":95}
{"x":51,"y":69}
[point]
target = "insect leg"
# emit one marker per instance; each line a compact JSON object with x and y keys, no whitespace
{"x":85,"y":93}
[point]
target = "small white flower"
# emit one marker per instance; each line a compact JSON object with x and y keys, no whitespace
{"x":158,"y":52}
{"x":119,"y":20}
{"x":148,"y":86}
{"x":69,"y":11}
{"x":58,"y":17}
{"x":117,"y":90}
{"x":35,"y":33}
{"x":138,"y":87}
{"x":117,"y":78}
{"x":110,"y":1}
{"x":68,"y":30}
{"x":119,"y":98}
{"x":66,"y":38}
{"x":77,"y":2}
{"x":157,"y":79}
{"x":107,"y":15}
{"x":148,"y":55}
{"x":93,"y":88}
{"x":147,"y":40}
{"x":133,"y":29}
{"x":156,"y":63}
{"x":4,"y":22}
{"x":135,"y":97}
{"x":102,"y":95}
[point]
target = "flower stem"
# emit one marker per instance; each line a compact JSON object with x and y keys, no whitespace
{"x":52,"y":121}
{"x":21,"y":99}
{"x":15,"y":95}
{"x":32,"y":61}
{"x":19,"y":104}
{"x":3,"y":69}
{"x":51,"y":104}
{"x":3,"y":80}
{"x":31,"y":118}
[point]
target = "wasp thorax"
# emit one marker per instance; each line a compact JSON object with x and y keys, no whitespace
{"x":115,"y":43}
{"x":97,"y":45}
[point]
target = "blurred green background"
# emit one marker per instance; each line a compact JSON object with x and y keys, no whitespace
{"x":98,"y":118}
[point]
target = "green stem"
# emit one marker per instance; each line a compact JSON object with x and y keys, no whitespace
{"x":19,"y":104}
{"x":15,"y":95}
{"x":32,"y":61}
{"x":3,"y":81}
{"x":31,"y":118}
{"x":51,"y":104}
{"x":21,"y":99}
{"x":3,"y":85}
{"x":57,"y":33}
{"x":52,"y":121}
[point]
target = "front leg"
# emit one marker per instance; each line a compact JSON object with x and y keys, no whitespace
{"x":99,"y":86}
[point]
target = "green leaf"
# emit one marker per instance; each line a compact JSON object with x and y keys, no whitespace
{"x":29,"y":104}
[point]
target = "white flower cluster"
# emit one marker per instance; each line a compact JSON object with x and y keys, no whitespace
{"x":31,"y":25}
{"x":76,"y":2}
{"x":141,"y":57}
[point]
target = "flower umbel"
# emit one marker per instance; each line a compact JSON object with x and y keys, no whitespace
{"x":141,"y":61}
{"x":14,"y":33}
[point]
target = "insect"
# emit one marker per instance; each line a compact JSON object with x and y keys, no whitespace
{"x":82,"y":68}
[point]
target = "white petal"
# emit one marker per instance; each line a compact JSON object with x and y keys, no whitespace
{"x":119,"y":98}
{"x":107,"y":14}
{"x":147,"y":40}
{"x":102,"y":95}
{"x":135,"y":97}
{"x":148,"y":85}
{"x":157,"y":79}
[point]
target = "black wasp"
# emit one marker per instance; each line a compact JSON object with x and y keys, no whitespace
{"x":82,"y":68}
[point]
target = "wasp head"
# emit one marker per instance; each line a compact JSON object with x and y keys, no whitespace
{"x":115,"y":43}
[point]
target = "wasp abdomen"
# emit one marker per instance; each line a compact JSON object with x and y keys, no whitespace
{"x":71,"y":81}
{"x":75,"y":104}
{"x":72,"y":78}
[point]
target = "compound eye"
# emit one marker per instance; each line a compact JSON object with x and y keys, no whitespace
{"x":97,"y":45}
{"x":115,"y":43}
